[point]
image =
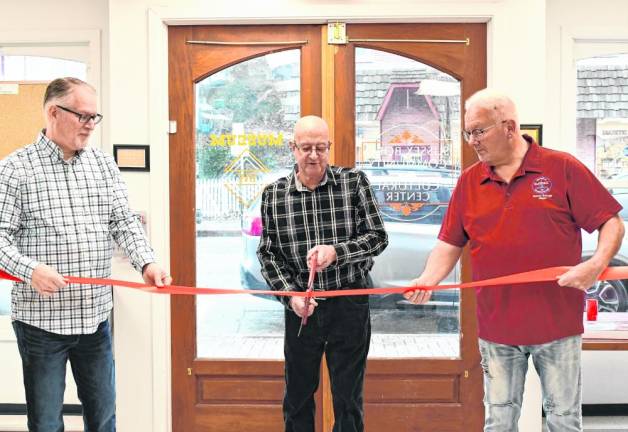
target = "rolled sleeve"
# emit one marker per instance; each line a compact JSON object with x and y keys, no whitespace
{"x":452,"y":229}
{"x":582,"y":185}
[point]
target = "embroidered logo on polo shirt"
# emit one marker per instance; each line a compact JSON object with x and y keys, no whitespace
{"x":541,"y":186}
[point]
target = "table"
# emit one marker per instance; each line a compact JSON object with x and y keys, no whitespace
{"x":608,"y":333}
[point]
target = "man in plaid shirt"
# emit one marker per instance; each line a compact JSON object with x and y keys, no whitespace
{"x":328,"y":214}
{"x":61,"y":207}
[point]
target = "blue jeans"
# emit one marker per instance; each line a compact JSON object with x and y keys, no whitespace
{"x":558,"y":366}
{"x":341,"y":328}
{"x":44,"y":358}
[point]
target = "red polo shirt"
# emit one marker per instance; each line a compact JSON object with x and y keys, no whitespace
{"x":534,"y":222}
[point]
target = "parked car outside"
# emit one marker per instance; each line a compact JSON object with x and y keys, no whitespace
{"x":612,"y":296}
{"x":617,"y":184}
{"x":413,"y":201}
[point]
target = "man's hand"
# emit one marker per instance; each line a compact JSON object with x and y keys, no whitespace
{"x":581,"y":276}
{"x":326,"y":255}
{"x":584,"y":275}
{"x":46,"y":280}
{"x":155,"y":275}
{"x":297,"y":304}
{"x":418,"y":296}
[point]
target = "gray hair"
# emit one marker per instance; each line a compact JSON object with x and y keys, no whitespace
{"x":62,"y":87}
{"x":497,"y":103}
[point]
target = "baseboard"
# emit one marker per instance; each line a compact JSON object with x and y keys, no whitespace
{"x":593,"y":410}
{"x":20,"y":409}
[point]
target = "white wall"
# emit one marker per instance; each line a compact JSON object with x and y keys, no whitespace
{"x":525,"y":36}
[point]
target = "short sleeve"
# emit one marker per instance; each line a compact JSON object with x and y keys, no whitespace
{"x":452,"y":229}
{"x":590,"y":203}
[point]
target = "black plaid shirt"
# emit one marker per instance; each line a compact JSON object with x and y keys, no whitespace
{"x":341,"y":212}
{"x":65,"y":215}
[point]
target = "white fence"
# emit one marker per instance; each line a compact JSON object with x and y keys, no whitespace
{"x":225,"y":198}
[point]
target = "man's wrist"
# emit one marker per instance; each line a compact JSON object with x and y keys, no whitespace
{"x":145,"y":266}
{"x":340,"y":254}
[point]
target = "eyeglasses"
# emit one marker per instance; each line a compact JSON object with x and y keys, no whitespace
{"x":478,"y":133}
{"x":83,"y":118}
{"x":319,"y":148}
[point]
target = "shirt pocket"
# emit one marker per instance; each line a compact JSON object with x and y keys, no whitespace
{"x":99,"y":198}
{"x":101,"y":247}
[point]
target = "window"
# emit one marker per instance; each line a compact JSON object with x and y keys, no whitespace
{"x":602,"y":145}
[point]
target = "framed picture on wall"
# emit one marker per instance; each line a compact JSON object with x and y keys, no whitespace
{"x":534,"y":130}
{"x":132,"y":157}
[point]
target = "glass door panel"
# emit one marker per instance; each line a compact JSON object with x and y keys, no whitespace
{"x":245,"y":115}
{"x":407,"y":142}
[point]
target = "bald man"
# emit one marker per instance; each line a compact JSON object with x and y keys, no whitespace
{"x":521,"y":208}
{"x":327,"y":215}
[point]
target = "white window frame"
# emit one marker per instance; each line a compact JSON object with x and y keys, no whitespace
{"x":61,"y":44}
{"x":576,"y":44}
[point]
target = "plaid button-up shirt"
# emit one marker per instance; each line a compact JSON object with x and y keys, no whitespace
{"x":341,"y":212}
{"x":65,"y":214}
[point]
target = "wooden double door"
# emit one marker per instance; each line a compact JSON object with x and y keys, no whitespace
{"x":405,"y":123}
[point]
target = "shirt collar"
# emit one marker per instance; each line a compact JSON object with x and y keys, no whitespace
{"x":297,"y":186}
{"x":531,"y":163}
{"x":52,"y":149}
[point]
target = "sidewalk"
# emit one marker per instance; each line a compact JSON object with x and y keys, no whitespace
{"x":219,"y":228}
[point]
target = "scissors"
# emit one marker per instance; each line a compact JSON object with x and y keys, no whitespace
{"x":310,"y":285}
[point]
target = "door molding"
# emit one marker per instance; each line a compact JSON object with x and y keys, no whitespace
{"x":158,"y":20}
{"x":189,"y":65}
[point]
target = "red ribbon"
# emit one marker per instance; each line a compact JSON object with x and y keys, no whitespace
{"x":549,"y":274}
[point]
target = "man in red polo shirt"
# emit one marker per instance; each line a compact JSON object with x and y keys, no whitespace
{"x":521,"y":208}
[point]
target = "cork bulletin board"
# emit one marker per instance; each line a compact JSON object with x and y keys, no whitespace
{"x":21,"y":116}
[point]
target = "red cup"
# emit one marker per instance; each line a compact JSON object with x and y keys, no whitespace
{"x":591,"y":309}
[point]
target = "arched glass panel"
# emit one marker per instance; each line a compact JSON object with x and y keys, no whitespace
{"x":245,"y":115}
{"x":408,"y":143}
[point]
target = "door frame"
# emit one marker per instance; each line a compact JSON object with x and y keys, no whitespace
{"x":266,"y":373}
{"x":466,"y":374}
{"x":467,"y":368}
{"x":158,"y":20}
